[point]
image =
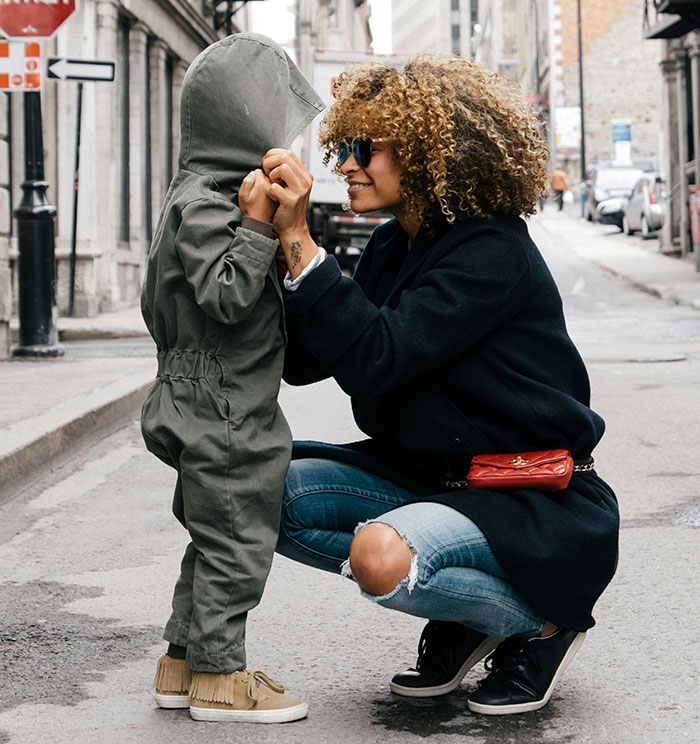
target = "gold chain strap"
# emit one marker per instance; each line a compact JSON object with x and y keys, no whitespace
{"x":590,"y":465}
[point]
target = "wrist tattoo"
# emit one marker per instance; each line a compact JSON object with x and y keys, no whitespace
{"x":295,"y":254}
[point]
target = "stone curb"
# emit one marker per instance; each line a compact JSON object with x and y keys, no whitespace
{"x":30,"y":449}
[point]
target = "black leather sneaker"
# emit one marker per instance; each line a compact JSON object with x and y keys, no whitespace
{"x":446,"y":652}
{"x":524,"y":672}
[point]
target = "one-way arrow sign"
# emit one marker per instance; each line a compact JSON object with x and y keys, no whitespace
{"x":80,"y":69}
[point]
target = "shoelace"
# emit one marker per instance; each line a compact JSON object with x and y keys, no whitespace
{"x":506,"y":660}
{"x":433,"y":638}
{"x":258,"y":678}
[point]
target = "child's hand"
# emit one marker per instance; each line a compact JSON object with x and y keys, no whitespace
{"x":253,"y":199}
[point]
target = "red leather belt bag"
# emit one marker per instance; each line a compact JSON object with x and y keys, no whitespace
{"x":548,"y":470}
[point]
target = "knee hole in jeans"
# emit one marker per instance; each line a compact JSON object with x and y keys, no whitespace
{"x":380,"y":559}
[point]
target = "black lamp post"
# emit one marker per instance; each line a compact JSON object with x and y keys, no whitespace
{"x":38,"y":335}
{"x":580,"y":95}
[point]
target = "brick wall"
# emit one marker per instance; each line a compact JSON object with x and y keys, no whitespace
{"x":621,"y":75}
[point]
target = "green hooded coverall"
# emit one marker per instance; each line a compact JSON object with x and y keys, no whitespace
{"x":213,"y":304}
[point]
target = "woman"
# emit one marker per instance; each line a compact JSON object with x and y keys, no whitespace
{"x":451,"y":341}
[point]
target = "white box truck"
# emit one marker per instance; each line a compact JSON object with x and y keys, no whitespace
{"x":338,"y":231}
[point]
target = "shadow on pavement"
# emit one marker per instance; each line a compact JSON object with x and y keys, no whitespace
{"x":425,"y":717}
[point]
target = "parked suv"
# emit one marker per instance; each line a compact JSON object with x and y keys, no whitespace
{"x":607,"y":182}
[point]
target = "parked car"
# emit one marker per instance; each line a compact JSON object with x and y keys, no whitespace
{"x":611,"y":211}
{"x":607,"y":182}
{"x":646,"y":208}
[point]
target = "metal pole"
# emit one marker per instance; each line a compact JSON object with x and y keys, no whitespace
{"x":76,"y":186}
{"x":583,"y":126}
{"x":537,"y":50}
{"x":229,"y":10}
{"x":38,"y":335}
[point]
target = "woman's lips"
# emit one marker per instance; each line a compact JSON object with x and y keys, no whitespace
{"x":354,"y":188}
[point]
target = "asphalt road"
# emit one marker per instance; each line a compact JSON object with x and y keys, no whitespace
{"x":88,"y":557}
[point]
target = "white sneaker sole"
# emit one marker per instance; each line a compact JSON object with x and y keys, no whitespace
{"x":281,"y":715}
{"x":503,"y":710}
{"x":482,"y":650}
{"x":172,"y":701}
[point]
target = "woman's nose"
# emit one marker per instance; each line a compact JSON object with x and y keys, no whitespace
{"x":349,"y":166}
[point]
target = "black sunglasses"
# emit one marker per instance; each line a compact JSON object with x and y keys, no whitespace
{"x":360,"y":147}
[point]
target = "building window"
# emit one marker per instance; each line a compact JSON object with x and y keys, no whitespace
{"x":689,"y":82}
{"x":123,"y":118}
{"x":169,"y":145}
{"x":149,"y":155}
{"x":10,"y":182}
{"x":456,"y":32}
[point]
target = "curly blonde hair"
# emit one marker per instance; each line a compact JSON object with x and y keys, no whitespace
{"x":469,"y":145}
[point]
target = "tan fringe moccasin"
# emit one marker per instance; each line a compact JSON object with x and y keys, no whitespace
{"x":172,"y":683}
{"x":246,"y":697}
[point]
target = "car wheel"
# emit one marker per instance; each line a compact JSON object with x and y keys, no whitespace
{"x":626,"y":226}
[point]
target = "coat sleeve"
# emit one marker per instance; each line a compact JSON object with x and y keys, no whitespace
{"x":300,"y":366}
{"x":225,"y":264}
{"x":470,"y":291}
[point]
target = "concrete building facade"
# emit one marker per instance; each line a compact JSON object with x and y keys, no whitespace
{"x":672,"y":30}
{"x":331,"y":24}
{"x":437,"y":26}
{"x":621,"y":79}
{"x":129,"y":142}
{"x":536,"y":43}
{"x":130,"y":134}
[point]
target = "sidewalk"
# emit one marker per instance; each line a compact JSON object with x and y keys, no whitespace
{"x":49,"y":407}
{"x":631,"y":258}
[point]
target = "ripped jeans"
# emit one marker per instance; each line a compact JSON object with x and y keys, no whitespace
{"x":454,"y":575}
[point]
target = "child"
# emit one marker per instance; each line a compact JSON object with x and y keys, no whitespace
{"x":212,"y":302}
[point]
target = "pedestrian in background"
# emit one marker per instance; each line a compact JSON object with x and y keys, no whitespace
{"x":559,"y":184}
{"x":213,"y":304}
{"x":451,"y":341}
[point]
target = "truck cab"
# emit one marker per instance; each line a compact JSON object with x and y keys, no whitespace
{"x":339,"y":231}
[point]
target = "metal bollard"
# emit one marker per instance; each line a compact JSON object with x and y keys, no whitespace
{"x":38,"y":311}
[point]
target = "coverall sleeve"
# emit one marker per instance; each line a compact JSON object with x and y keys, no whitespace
{"x":467,"y":294}
{"x":225,"y":264}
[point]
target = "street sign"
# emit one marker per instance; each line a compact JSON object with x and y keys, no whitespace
{"x":80,"y":69}
{"x":19,"y":65}
{"x":33,"y":18}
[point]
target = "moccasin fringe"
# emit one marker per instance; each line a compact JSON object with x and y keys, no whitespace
{"x":220,"y":688}
{"x":214,"y":688}
{"x":172,"y":675}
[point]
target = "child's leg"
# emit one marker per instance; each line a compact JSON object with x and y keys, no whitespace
{"x":177,"y":629}
{"x":231,"y":507}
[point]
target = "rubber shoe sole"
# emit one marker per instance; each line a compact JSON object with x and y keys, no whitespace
{"x":481,"y":651}
{"x":280,"y":715}
{"x":503,"y":710}
{"x":172,"y":702}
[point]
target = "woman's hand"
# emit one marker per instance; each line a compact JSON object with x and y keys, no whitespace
{"x":254,"y":199}
{"x":290,"y":187}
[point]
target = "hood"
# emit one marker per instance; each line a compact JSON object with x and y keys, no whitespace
{"x":241,"y":96}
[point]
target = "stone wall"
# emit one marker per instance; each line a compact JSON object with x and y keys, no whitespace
{"x":621,"y":75}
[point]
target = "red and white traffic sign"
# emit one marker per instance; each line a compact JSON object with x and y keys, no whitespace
{"x":22,"y":19}
{"x":20,"y":65}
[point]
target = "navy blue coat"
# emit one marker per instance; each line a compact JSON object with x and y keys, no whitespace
{"x":454,"y":346}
